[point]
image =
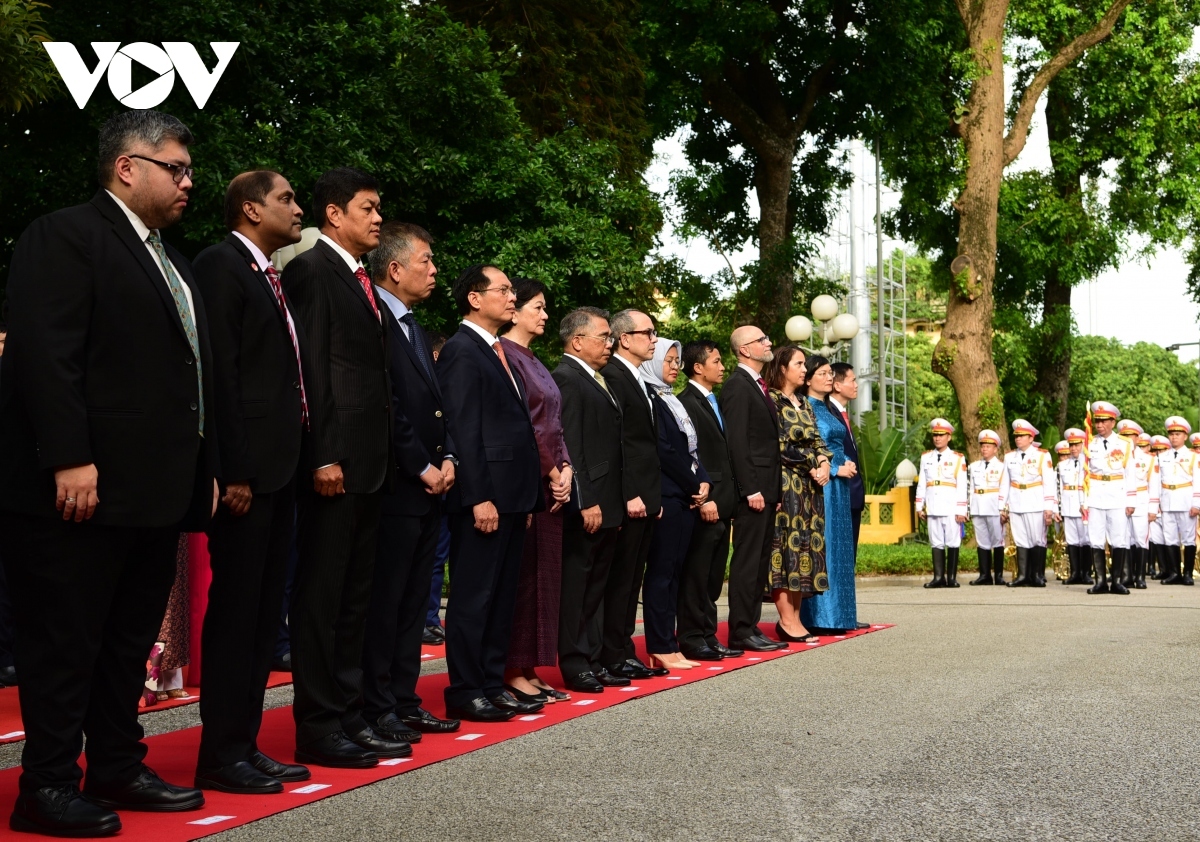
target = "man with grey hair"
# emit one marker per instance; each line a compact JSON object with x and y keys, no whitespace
{"x":635,"y":337}
{"x":752,"y":430}
{"x":107,"y":453}
{"x":591,"y":419}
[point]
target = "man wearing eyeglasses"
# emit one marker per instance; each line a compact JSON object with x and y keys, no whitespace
{"x":642,"y":480}
{"x":497,"y":487}
{"x":752,"y":430}
{"x":107,"y":453}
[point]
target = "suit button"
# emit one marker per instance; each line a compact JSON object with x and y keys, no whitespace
{"x":296,"y":385}
{"x":437,"y":414}
{"x":194,"y":407}
{"x":439,"y":448}
{"x":189,"y":359}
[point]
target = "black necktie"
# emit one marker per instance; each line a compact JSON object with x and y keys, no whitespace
{"x":939,"y":457}
{"x":1105,"y":443}
{"x":418,"y":343}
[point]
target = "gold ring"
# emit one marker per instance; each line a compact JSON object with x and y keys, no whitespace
{"x":70,"y":499}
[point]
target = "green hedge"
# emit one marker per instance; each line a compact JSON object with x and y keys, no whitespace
{"x":894,"y":560}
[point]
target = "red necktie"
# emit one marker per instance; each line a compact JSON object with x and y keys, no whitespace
{"x":504,"y":362}
{"x":361,"y":274}
{"x":277,"y":288}
{"x":767,"y":395}
{"x":849,"y":429}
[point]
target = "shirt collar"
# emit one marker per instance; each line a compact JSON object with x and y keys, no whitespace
{"x":837,"y":403}
{"x":591,"y":372}
{"x":489,"y":338}
{"x":136,"y":221}
{"x":398,"y":308}
{"x":631,"y":367}
{"x":255,"y":251}
{"x":754,"y":375}
{"x":704,"y":390}
{"x":353,"y":264}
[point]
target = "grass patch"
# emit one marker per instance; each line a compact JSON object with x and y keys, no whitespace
{"x":893,"y":560}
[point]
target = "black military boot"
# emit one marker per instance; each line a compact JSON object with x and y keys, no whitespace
{"x":1130,"y":556}
{"x":1120,"y":556}
{"x":1141,"y":557}
{"x":952,"y":567}
{"x":1174,"y":563}
{"x":939,"y":569}
{"x":1037,"y":567}
{"x":1022,"y":580}
{"x":985,"y":568}
{"x":1085,"y":565}
{"x":1098,"y":564}
{"x":1157,"y":565}
{"x":1076,"y":562}
{"x":998,"y":565}
{"x":1189,"y":564}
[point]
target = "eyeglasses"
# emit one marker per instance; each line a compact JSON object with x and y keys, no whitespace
{"x":608,"y":339}
{"x":762,"y":340}
{"x":649,"y":333}
{"x":503,"y":290}
{"x":178,"y":171}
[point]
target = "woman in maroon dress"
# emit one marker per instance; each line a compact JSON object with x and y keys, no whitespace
{"x":535,"y":624}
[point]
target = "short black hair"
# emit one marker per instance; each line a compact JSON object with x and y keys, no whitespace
{"x":250,"y":186}
{"x":338,"y":187}
{"x":473,"y":279}
{"x":126,"y":129}
{"x":840,"y":370}
{"x":437,"y":341}
{"x":697,"y":353}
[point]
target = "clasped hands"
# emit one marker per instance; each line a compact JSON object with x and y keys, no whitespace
{"x":75,"y":492}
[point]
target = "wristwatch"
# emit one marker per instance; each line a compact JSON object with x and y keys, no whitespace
{"x":451,"y":458}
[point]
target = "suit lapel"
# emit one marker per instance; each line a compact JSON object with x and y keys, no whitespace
{"x":699,"y":398}
{"x":494,"y":359}
{"x":593,"y":382}
{"x":347,"y":277}
{"x":623,"y":371}
{"x":260,"y":276}
{"x":411,"y":350}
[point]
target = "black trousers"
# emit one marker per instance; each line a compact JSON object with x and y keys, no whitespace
{"x":396,"y":617}
{"x":484,"y":570}
{"x":249,"y":565}
{"x":623,"y":588}
{"x":337,"y":538}
{"x":586,"y":562}
{"x":856,"y":526}
{"x":660,"y":590}
{"x":88,"y":603}
{"x":700,"y":584}
{"x":6,"y":622}
{"x":749,"y":569}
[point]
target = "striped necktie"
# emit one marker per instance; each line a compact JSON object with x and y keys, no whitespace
{"x":185,"y":316}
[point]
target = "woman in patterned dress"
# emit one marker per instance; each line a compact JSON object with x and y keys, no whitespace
{"x":798,"y":546}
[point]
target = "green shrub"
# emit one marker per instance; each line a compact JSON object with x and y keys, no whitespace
{"x":893,"y":560}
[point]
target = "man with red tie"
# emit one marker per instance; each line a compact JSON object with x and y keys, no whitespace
{"x":345,"y":468}
{"x":261,"y":411}
{"x":845,"y":389}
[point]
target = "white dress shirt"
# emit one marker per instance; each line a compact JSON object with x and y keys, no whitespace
{"x":491,"y":340}
{"x":398,"y":308}
{"x":143,"y":233}
{"x":641,"y":380}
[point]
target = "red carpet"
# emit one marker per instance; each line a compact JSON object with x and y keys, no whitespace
{"x":173,"y":755}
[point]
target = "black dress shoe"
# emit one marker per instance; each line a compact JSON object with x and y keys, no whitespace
{"x":784,"y":636}
{"x":427,"y":723}
{"x":726,"y":651}
{"x":480,"y":709}
{"x":438,"y":631}
{"x":62,"y":811}
{"x":758,"y":643}
{"x":640,"y":670}
{"x":609,"y":680}
{"x":861,"y":626}
{"x":383,"y":746}
{"x":240,"y":778}
{"x":428,"y":638}
{"x":337,"y":751}
{"x":1116,"y":587}
{"x":147,"y":792}
{"x":283,"y":663}
{"x":507,"y":701}
{"x":8,"y":677}
{"x":286,"y":772}
{"x":390,"y":726}
{"x":584,"y":682}
{"x":705,"y":654}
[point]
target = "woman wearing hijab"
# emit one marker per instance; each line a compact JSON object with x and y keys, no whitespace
{"x":685,"y":488}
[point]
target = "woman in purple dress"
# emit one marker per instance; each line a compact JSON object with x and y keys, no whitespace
{"x":535,"y":624}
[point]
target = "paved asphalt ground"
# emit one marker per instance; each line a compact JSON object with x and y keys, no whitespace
{"x":985,"y":714}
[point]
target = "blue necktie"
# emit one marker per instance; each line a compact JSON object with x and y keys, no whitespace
{"x":414,"y":336}
{"x":712,"y":400}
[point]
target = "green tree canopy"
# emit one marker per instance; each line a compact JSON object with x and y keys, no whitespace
{"x":26,"y":73}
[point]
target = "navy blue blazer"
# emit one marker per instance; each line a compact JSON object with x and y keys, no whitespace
{"x":492,"y":431}
{"x":858,"y":495}
{"x":678,"y":481}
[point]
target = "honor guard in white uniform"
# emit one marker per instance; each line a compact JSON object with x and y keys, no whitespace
{"x":983,"y":492}
{"x":1194,"y":442}
{"x":942,"y":502}
{"x":1070,"y":508}
{"x":1147,"y":483}
{"x":1179,"y":501}
{"x":1158,"y":549}
{"x":1108,"y":504}
{"x":1028,"y":500}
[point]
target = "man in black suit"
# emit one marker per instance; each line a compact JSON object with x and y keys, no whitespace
{"x":404,"y":274}
{"x":497,"y":486}
{"x":107,"y":453}
{"x":703,"y":573}
{"x":591,"y":420}
{"x":8,"y":671}
{"x":641,"y":478}
{"x":261,"y":412}
{"x":345,"y":468}
{"x":752,"y":430}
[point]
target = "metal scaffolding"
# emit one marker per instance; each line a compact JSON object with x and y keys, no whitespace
{"x":889,"y":289}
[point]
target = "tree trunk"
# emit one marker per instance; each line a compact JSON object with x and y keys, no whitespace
{"x":776,"y":274}
{"x":964,"y":353}
{"x":1053,"y":357}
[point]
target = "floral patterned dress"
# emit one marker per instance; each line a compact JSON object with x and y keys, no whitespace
{"x":798,"y":546}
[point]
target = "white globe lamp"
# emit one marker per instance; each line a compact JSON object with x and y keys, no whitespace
{"x":845,"y":326}
{"x":824,"y":307}
{"x":798,"y":329}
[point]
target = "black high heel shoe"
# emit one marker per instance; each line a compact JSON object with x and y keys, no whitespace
{"x":808,"y":638}
{"x":527,"y":697}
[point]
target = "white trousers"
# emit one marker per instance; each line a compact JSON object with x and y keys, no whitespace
{"x":1139,"y":530}
{"x":1156,"y":531}
{"x":1109,"y":525}
{"x":1178,"y":528}
{"x":1028,"y":529}
{"x":1075,"y":531}
{"x":989,"y":534}
{"x":944,"y":531}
